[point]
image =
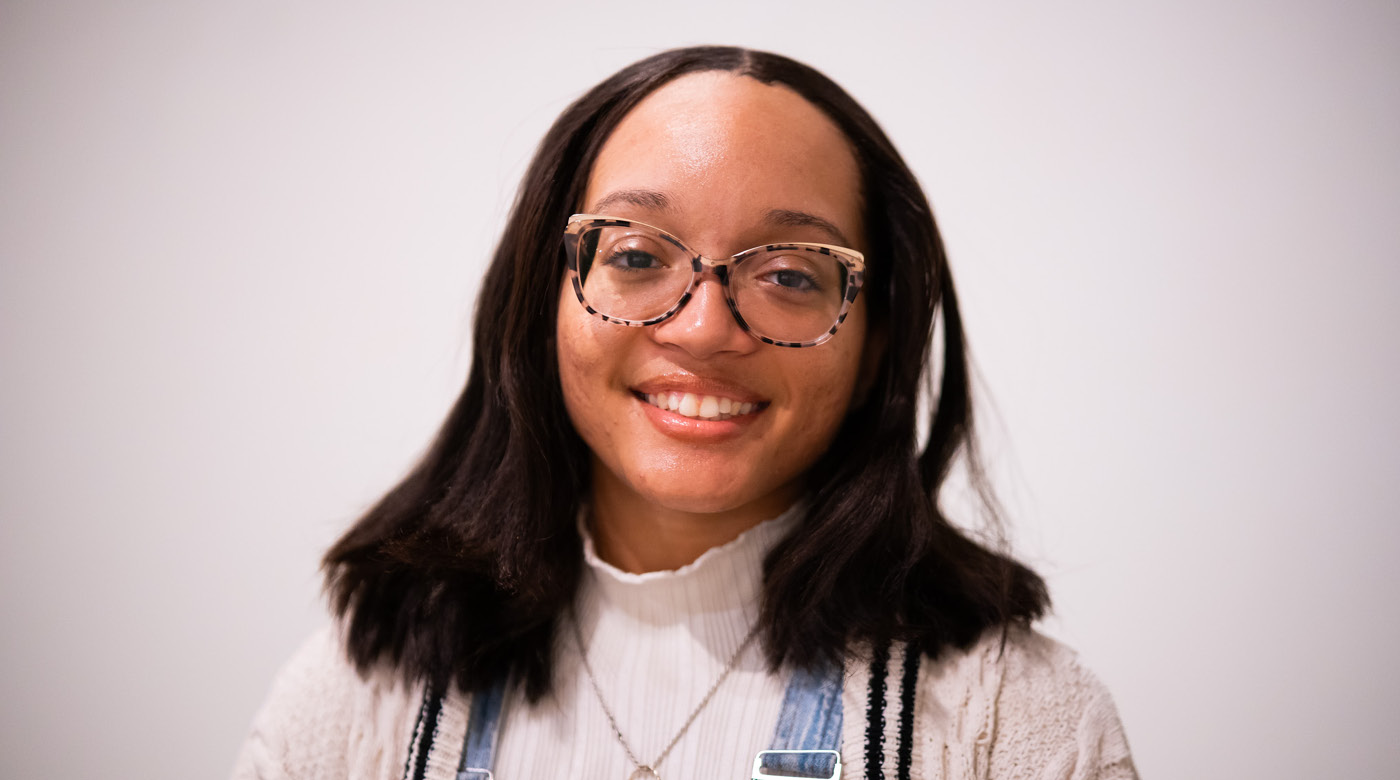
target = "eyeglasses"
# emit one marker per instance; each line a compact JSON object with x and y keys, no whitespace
{"x":788,"y":295}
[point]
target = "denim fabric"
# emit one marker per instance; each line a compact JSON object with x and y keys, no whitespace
{"x":479,"y":750}
{"x":812,"y":715}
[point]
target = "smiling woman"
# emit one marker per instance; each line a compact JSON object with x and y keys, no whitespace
{"x":670,"y":481}
{"x":678,"y":522}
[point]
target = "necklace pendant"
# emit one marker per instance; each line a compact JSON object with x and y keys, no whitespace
{"x":644,"y":773}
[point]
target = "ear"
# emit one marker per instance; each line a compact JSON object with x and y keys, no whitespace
{"x":871,"y":356}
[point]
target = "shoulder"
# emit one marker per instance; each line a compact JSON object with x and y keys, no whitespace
{"x":323,"y":718}
{"x":1052,"y":716}
{"x":1019,"y":705}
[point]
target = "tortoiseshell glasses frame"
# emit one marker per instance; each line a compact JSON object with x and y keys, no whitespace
{"x":851,"y":262}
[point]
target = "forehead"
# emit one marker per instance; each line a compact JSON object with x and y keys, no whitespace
{"x":725,"y":150}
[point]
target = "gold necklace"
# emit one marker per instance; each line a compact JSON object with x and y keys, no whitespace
{"x":644,"y":771}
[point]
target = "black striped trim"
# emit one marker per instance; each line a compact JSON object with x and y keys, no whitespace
{"x":875,"y":715}
{"x":908,"y":689}
{"x":413,"y":740}
{"x":424,"y":732}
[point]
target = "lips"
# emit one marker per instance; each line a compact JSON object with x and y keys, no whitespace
{"x":700,"y":406}
{"x":682,"y":396}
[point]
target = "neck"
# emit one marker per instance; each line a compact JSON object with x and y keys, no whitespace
{"x":639,"y":536}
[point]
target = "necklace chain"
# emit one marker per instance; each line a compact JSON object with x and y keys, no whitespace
{"x":650,"y":769}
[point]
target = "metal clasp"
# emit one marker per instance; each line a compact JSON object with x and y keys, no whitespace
{"x":806,"y":764}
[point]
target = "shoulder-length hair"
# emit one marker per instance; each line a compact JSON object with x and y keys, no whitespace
{"x":465,"y":570}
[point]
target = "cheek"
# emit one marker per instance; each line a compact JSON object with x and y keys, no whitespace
{"x":585,"y":354}
{"x":826,"y":391}
{"x":577,"y":363}
{"x":829,"y":399}
{"x":572,"y":369}
{"x":841,"y":371}
{"x":832,"y":384}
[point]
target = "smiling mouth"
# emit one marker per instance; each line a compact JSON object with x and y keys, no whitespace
{"x":701,"y":407}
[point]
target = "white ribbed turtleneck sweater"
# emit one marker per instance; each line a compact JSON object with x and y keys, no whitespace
{"x":1014,"y":706}
{"x":657,"y":642}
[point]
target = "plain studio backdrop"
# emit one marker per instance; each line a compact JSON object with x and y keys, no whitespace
{"x":240,"y":244}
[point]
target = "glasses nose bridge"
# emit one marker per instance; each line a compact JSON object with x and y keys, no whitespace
{"x":703,"y":267}
{"x":718,"y":266}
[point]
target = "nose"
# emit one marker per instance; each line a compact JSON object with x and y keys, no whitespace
{"x":705,"y":326}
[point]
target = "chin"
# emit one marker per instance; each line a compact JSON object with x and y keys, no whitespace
{"x":705,"y":497}
{"x":699,"y":505}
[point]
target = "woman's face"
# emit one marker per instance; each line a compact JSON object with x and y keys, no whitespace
{"x":724,"y":163}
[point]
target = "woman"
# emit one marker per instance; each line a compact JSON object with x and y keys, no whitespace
{"x":678,"y":522}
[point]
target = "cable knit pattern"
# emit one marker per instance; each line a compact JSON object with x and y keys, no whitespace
{"x":322,"y":720}
{"x":657,"y":642}
{"x":1025,"y":709}
{"x":1053,"y":720}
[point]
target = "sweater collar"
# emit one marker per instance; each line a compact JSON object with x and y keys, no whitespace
{"x":723,"y":578}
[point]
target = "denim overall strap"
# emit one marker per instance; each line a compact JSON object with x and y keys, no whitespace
{"x":483,"y":725}
{"x":807,"y":743}
{"x":812,"y":714}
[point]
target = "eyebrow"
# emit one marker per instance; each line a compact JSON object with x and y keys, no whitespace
{"x":654,"y":200}
{"x":646,"y":199}
{"x":789,"y":218}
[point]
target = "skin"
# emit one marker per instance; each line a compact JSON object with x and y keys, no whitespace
{"x":724,"y":153}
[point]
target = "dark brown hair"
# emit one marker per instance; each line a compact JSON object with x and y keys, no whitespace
{"x":463,"y":572}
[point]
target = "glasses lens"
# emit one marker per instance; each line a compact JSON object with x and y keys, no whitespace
{"x":789,"y":294}
{"x":631,"y":272}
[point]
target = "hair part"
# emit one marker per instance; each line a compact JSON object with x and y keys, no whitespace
{"x":464,"y":571}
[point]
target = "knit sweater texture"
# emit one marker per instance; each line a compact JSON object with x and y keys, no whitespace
{"x":1023,"y":708}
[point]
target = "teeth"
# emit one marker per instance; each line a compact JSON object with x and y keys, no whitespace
{"x":690,"y":406}
{"x":704,"y":407}
{"x":709,"y":407}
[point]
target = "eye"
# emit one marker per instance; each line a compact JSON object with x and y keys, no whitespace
{"x":792,"y":279}
{"x":632,"y":260}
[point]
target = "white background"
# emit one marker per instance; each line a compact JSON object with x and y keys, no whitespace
{"x":240,"y":242}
